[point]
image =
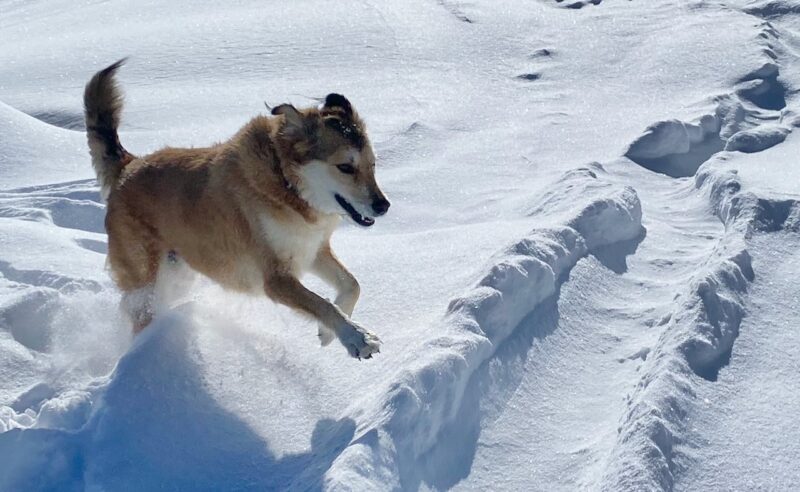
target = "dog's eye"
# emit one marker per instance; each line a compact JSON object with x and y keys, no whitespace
{"x":346,"y":168}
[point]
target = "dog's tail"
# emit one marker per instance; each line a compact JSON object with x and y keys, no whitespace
{"x":102,"y":101}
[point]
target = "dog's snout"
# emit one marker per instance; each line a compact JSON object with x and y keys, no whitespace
{"x":380,"y":205}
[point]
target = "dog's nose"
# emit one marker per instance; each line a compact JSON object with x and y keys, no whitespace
{"x":380,"y":206}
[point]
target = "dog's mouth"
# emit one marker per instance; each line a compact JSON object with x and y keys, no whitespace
{"x":357,"y":217}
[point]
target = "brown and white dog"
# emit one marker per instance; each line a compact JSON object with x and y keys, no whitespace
{"x":253,"y":213}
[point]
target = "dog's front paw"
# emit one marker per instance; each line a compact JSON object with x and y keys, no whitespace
{"x":359,"y":342}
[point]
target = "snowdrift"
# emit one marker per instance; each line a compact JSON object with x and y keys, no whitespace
{"x":580,"y":213}
{"x":33,"y":152}
{"x":150,"y":424}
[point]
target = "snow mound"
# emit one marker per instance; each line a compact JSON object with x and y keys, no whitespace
{"x":33,"y":152}
{"x":580,"y":212}
{"x":153,"y":423}
{"x":757,"y":139}
{"x":676,"y":148}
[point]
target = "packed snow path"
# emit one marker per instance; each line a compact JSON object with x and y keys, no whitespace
{"x":550,"y":323}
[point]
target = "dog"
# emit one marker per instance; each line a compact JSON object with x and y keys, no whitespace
{"x":253,"y":213}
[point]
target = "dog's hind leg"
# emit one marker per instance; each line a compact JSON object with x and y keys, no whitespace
{"x":133,"y":257}
{"x":138,"y":305}
{"x":173,"y":281}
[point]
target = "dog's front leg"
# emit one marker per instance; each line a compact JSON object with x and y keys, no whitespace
{"x":327,"y":267}
{"x":286,"y":289}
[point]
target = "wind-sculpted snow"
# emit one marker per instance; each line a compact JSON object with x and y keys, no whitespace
{"x":581,"y":212}
{"x":29,"y":143}
{"x":697,"y":339}
{"x":704,"y":323}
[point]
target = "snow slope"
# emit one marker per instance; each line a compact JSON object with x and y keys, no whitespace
{"x":587,"y":280}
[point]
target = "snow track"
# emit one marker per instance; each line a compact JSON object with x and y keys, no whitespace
{"x":587,"y":345}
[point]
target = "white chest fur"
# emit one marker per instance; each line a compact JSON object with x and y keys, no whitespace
{"x":295,"y":241}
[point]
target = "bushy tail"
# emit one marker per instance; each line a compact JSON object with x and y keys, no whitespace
{"x":102,"y":101}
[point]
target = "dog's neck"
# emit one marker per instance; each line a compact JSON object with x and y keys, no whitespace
{"x":258,"y":140}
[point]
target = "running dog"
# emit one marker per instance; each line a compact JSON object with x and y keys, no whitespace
{"x":253,"y":213}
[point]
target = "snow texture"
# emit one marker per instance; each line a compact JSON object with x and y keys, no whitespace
{"x":587,"y":280}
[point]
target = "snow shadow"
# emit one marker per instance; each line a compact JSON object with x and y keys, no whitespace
{"x":62,"y":118}
{"x":487,"y":392}
{"x":490,"y":387}
{"x":615,"y":256}
{"x":764,"y":90}
{"x":675,"y":148}
{"x":158,"y":427}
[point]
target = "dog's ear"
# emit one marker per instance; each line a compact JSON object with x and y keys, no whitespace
{"x":294,"y":119}
{"x":337,"y":102}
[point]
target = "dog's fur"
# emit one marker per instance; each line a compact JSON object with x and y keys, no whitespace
{"x":253,"y":213}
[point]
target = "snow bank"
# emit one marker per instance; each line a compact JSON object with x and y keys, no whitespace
{"x":580,"y":212}
{"x":697,"y":342}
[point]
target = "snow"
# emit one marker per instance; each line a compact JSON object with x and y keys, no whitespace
{"x":745,"y":417}
{"x":587,"y":279}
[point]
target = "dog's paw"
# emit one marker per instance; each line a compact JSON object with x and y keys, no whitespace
{"x":359,"y":342}
{"x":325,"y":334}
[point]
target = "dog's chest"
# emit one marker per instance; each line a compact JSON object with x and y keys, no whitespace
{"x":294,"y":242}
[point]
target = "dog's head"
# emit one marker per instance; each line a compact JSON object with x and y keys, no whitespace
{"x":331,"y":162}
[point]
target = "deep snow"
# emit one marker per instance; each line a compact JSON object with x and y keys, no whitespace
{"x":587,"y":279}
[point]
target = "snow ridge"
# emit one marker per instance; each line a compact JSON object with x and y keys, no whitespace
{"x":426,"y":396}
{"x":704,"y":322}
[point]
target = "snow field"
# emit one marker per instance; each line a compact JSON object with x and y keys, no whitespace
{"x":626,"y":321}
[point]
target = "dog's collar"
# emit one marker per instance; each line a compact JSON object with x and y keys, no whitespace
{"x":300,"y":204}
{"x":276,"y":167}
{"x":287,"y":185}
{"x":284,"y":179}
